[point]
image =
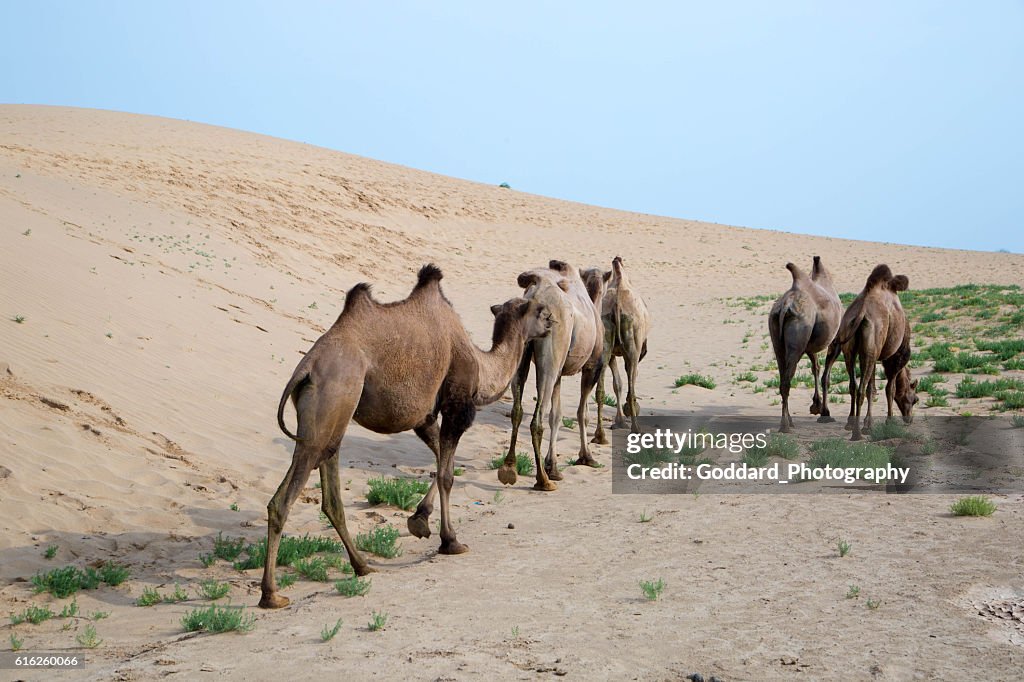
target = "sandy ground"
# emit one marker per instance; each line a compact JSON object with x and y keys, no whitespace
{"x":170,"y":274}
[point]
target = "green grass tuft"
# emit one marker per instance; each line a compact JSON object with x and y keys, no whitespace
{"x":974,"y":505}
{"x":652,"y":589}
{"x":524,"y":463}
{"x":314,"y":568}
{"x":380,"y":541}
{"x":33,"y":614}
{"x":291,"y":550}
{"x":218,"y":619}
{"x":695,"y":380}
{"x":377,"y":622}
{"x":352,"y":587}
{"x":328,"y":633}
{"x":404,"y":493}
{"x":840,"y":453}
{"x":885,"y":429}
{"x":213,"y":590}
{"x":149,"y":597}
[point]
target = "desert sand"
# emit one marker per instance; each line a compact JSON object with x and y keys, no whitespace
{"x":169,"y":276}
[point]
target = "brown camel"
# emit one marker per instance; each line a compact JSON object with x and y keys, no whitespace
{"x":875,"y":328}
{"x":392,"y":367}
{"x":626,"y":322}
{"x":574,"y":345}
{"x":803,"y":321}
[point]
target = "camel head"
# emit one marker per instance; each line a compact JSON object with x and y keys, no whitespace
{"x":906,"y":395}
{"x":527,"y":315}
{"x":596,"y":283}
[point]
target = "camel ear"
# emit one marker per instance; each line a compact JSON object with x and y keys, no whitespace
{"x":563,"y":285}
{"x":524,"y":308}
{"x":899,"y":283}
{"x":913,"y":384}
{"x":495,"y":309}
{"x":607,"y":276}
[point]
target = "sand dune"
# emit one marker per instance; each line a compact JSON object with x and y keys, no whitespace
{"x":169,"y":276}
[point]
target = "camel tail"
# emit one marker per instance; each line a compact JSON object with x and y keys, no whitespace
{"x":299,"y":378}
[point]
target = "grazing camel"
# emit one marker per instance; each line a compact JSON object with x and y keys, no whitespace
{"x":574,"y":345}
{"x":875,"y":328}
{"x":803,"y":321}
{"x":626,"y":323}
{"x":392,"y":367}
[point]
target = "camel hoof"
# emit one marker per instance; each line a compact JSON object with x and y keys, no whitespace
{"x":815,"y":409}
{"x":599,"y":438}
{"x":848,"y":427}
{"x":856,"y":436}
{"x":419,"y":525}
{"x":619,"y":424}
{"x":272,"y":600}
{"x":546,"y":486}
{"x":785,"y":428}
{"x":586,"y":461}
{"x":507,"y":474}
{"x":363,"y":569}
{"x":554,"y":474}
{"x":825,"y":419}
{"x":453,"y":547}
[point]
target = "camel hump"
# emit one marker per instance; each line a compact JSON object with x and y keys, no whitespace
{"x":559,"y":266}
{"x":899,"y":283}
{"x":358,"y":292}
{"x":880,"y":275}
{"x":428,"y":273}
{"x":797,"y":273}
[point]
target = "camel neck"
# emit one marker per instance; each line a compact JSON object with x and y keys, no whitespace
{"x":498,"y":365}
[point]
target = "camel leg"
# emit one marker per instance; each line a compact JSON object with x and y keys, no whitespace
{"x":554,"y":423}
{"x":545,"y":388}
{"x":851,"y":368}
{"x":864,"y":391}
{"x":826,"y":381}
{"x":453,"y":425}
{"x":599,"y":435}
{"x":419,"y":522}
{"x":632,"y":362}
{"x":330,"y":484}
{"x":619,"y":422}
{"x":588,"y":379}
{"x":816,"y":401}
{"x":303,"y":462}
{"x":507,"y":471}
{"x":786,"y":372}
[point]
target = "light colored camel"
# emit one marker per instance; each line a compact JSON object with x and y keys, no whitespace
{"x":574,"y":345}
{"x":875,"y":328}
{"x":803,"y":321}
{"x":393,"y":367}
{"x":626,"y":323}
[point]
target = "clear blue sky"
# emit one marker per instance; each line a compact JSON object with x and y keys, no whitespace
{"x":889,"y":121}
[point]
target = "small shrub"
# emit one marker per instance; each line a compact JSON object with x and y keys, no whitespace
{"x":936,"y":401}
{"x":755,"y":457}
{"x":328,"y":633}
{"x":568,"y":423}
{"x":974,"y":505}
{"x":380,"y":541}
{"x":88,"y":637}
{"x":50,"y":552}
{"x":16,"y":642}
{"x":644,"y":518}
{"x":404,"y":493}
{"x":218,"y":619}
{"x":853,"y":592}
{"x":213,"y":590}
{"x":873,"y":604}
{"x":1017,"y":421}
{"x":352,"y":587}
{"x":70,"y":610}
{"x":459,"y":471}
{"x":149,"y":597}
{"x":844,"y":547}
{"x":1012,"y":400}
{"x":695,"y":380}
{"x":840,"y":453}
{"x":286,"y":580}
{"x":65,"y":581}
{"x":33,"y":614}
{"x":19,"y":319}
{"x":233,"y":507}
{"x":377,"y":622}
{"x":748,"y":377}
{"x":652,"y":589}
{"x":114,"y":574}
{"x":779,"y":445}
{"x":609,"y":400}
{"x":99,"y":615}
{"x":178,"y":595}
{"x":312,"y":569}
{"x":290,"y":550}
{"x":207,"y":560}
{"x":885,"y":429}
{"x":228,"y":550}
{"x":524,"y":463}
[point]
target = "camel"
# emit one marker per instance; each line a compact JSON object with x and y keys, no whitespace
{"x":875,"y":328}
{"x":574,"y":345}
{"x":626,"y":323}
{"x":803,"y":321}
{"x":393,"y":367}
